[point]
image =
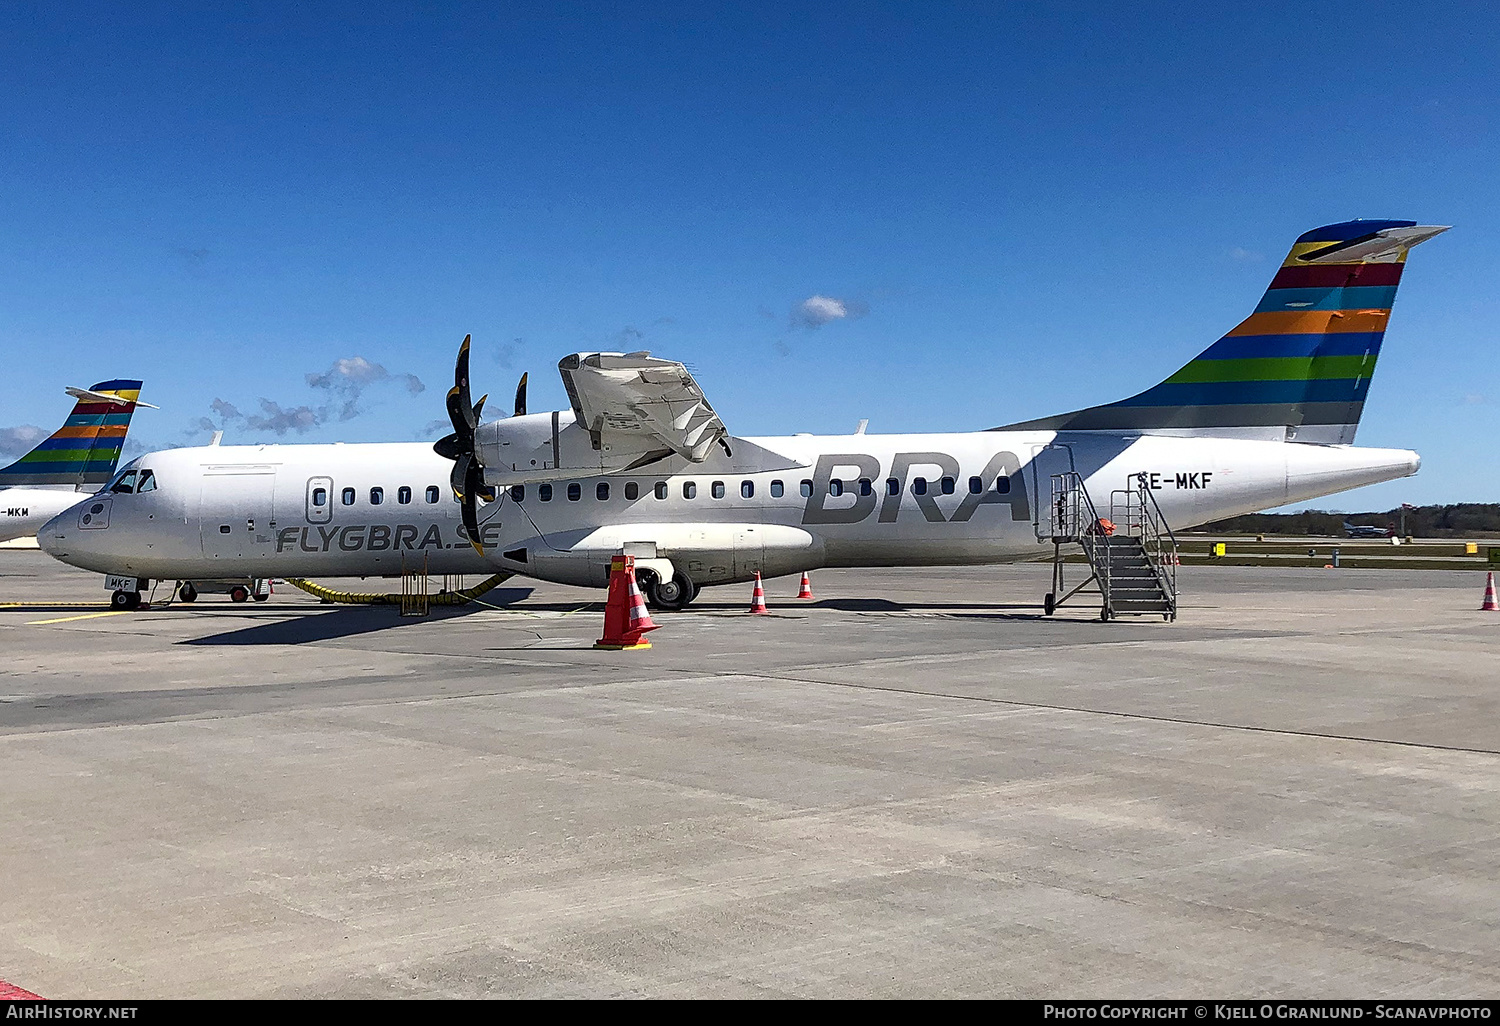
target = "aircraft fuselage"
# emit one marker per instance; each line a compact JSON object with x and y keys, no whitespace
{"x":778,"y":505}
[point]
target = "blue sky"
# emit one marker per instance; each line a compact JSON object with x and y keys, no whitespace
{"x":1023,"y":209}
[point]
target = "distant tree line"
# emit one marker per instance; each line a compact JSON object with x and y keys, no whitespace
{"x":1460,"y":520}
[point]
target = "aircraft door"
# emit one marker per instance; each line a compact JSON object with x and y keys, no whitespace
{"x":749,"y":551}
{"x":235,"y":514}
{"x":319,"y":501}
{"x":1047,"y":461}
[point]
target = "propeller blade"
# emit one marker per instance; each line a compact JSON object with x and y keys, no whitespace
{"x":447,"y":447}
{"x":521,"y":397}
{"x":479,"y":406}
{"x":459,"y":476}
{"x":473,"y":485}
{"x":465,"y":401}
{"x":458,"y":415}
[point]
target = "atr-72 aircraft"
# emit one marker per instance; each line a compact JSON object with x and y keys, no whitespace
{"x":641,"y":464}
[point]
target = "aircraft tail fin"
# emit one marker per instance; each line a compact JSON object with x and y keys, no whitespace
{"x":1300,"y":365}
{"x":86,"y":449}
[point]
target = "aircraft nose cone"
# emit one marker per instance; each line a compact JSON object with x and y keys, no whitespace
{"x":51,"y":538}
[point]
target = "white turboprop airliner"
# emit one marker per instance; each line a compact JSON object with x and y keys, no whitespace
{"x":641,"y":464}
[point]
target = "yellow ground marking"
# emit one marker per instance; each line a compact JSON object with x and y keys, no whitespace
{"x":50,"y":605}
{"x":85,"y":616}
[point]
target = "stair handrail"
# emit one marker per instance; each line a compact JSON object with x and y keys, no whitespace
{"x":1156,"y":528}
{"x":1070,"y":500}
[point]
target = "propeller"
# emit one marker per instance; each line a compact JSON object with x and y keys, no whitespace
{"x":467,"y":477}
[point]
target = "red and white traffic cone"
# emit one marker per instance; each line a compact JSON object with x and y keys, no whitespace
{"x":758,"y":597}
{"x":1489,"y":605}
{"x":625,"y":618}
{"x":804,"y":590}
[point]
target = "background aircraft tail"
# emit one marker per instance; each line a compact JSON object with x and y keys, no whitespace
{"x":1299,"y":366}
{"x":85,"y":450}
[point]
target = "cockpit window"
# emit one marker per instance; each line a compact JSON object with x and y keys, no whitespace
{"x":124,"y":481}
{"x":146,"y":482}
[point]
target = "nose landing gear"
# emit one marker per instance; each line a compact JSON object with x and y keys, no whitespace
{"x":125,"y":600}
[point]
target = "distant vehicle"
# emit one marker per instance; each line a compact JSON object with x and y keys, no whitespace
{"x":78,"y":457}
{"x":1368,"y":531}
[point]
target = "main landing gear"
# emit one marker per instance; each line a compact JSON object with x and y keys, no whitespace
{"x":668,"y":595}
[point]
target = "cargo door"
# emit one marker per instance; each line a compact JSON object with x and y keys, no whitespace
{"x":236,"y":510}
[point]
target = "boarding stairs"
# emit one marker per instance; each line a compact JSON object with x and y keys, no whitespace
{"x":1131,"y":552}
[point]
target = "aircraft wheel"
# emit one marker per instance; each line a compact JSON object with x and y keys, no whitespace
{"x":674,"y":594}
{"x":238,"y":594}
{"x":187,"y":593}
{"x":1049,"y":604}
{"x":125,"y":600}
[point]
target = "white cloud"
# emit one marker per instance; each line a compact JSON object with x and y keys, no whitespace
{"x":816,"y":311}
{"x":18,"y":441}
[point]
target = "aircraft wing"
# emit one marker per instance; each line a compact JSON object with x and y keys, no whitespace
{"x":635,"y":403}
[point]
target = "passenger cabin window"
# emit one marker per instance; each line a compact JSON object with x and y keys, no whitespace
{"x":777,"y":489}
{"x":835,"y":488}
{"x":403,"y":495}
{"x":125,"y":483}
{"x":689,"y":489}
{"x":976,"y":485}
{"x":717,"y":489}
{"x":747,"y":489}
{"x":892,"y":486}
{"x":661,"y":489}
{"x":575,"y":492}
{"x":601,"y":491}
{"x":348,"y":497}
{"x":632,"y":491}
{"x":146,"y":482}
{"x":865,"y":486}
{"x":320,"y":496}
{"x":919,"y":486}
{"x":805,"y":488}
{"x":947,"y":486}
{"x":432,"y":493}
{"x":544,"y":493}
{"x":517,"y":493}
{"x":1002,"y":484}
{"x":377,"y":496}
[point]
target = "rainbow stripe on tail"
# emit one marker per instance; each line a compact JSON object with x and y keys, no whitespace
{"x":85,"y":450}
{"x":1300,"y":365}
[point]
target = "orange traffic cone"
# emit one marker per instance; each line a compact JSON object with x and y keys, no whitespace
{"x":1489,"y":605}
{"x":758,"y":598}
{"x":804,"y":590}
{"x":625,"y":618}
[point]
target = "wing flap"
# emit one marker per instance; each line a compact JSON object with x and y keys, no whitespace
{"x":635,"y":403}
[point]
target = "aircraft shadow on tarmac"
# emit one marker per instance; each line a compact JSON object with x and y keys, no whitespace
{"x":349,"y":621}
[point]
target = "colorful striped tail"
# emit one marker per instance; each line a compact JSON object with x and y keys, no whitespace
{"x":85,"y":450}
{"x":1300,"y":365}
